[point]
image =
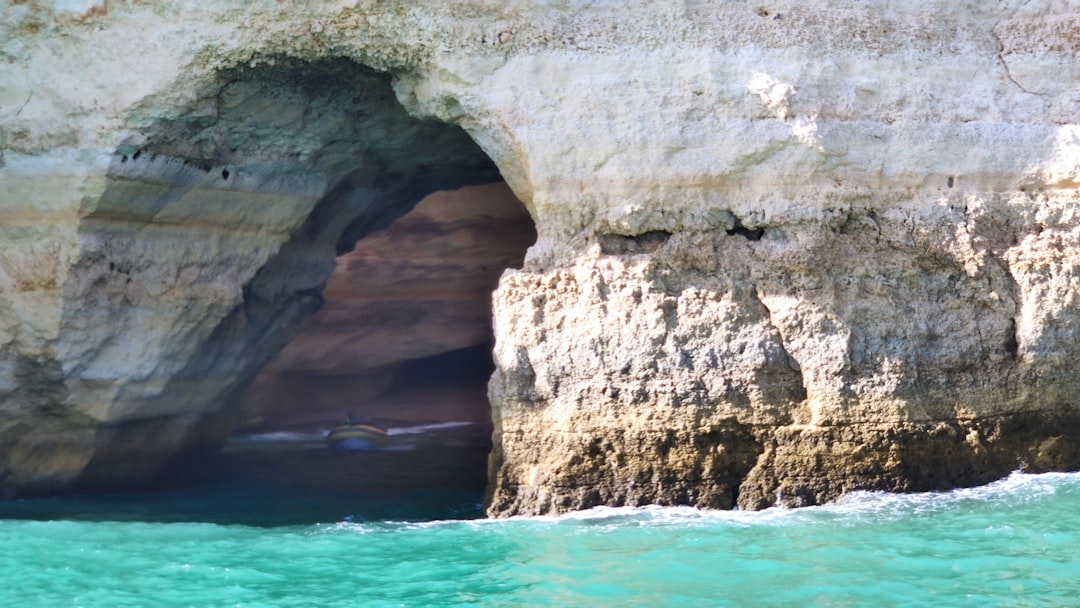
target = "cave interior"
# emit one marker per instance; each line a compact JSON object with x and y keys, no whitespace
{"x":322,"y":154}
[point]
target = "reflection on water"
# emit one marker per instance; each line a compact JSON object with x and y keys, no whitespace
{"x":292,"y":478}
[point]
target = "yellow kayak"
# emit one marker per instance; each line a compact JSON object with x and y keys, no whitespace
{"x":357,"y":437}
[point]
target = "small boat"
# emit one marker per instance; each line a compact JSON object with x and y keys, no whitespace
{"x":357,"y":437}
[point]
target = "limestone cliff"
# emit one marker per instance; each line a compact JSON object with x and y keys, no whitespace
{"x":785,"y":250}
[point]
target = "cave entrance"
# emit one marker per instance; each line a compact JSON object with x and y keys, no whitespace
{"x":404,"y":335}
{"x":403,"y":340}
{"x":282,"y":178}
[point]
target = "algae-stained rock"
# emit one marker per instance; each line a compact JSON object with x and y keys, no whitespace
{"x":784,"y":251}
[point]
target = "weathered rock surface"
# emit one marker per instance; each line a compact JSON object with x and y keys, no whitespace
{"x":785,"y":250}
{"x":748,"y":371}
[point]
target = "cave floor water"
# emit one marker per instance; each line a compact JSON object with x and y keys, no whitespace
{"x":266,"y":526}
{"x":290,"y":478}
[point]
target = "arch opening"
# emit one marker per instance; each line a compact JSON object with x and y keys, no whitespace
{"x":212,"y":241}
{"x":404,"y":335}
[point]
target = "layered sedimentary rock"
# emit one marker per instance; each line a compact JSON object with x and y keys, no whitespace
{"x":785,"y":250}
{"x":420,"y":288}
{"x":144,"y":290}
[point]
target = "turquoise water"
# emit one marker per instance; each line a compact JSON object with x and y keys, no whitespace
{"x":1013,"y":543}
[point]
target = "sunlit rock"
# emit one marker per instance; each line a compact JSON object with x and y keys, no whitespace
{"x":784,"y":251}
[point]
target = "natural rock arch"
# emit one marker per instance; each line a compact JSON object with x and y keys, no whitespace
{"x":848,"y":233}
{"x":208,"y":245}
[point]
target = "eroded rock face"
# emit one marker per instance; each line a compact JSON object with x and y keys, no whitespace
{"x":786,"y":365}
{"x":785,"y":250}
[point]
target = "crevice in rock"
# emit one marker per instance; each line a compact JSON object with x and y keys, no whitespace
{"x":1012,"y":345}
{"x":749,"y":234}
{"x":646,"y":242}
{"x":1010,"y":289}
{"x":1004,"y":64}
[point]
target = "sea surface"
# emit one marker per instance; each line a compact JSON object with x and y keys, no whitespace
{"x":244,"y":541}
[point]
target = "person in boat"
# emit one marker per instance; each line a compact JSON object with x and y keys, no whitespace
{"x":356,"y":434}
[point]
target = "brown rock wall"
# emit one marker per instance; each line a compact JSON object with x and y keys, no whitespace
{"x":421,"y":287}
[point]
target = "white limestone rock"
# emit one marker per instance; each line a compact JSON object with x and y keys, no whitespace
{"x":818,"y":233}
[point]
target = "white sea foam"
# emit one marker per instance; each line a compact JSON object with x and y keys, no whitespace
{"x":855,"y":508}
{"x":1016,"y":489}
{"x":342,"y":527}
